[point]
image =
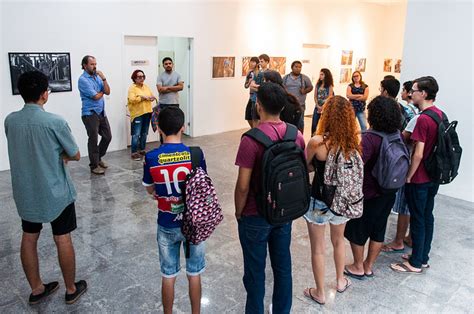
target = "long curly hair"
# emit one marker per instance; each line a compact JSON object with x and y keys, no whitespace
{"x":338,"y":125}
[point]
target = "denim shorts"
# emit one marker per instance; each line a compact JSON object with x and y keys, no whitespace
{"x":319,"y":214}
{"x":169,"y":246}
{"x":401,"y":205}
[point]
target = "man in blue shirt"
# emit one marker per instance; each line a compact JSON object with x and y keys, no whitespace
{"x":164,"y":173}
{"x":39,"y":145}
{"x":92,"y":87}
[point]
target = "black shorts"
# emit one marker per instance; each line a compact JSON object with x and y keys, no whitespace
{"x":64,"y":224}
{"x":250,"y":111}
{"x":373,"y":222}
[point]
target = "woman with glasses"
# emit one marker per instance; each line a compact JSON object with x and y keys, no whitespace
{"x":357,"y":93}
{"x":139,"y":99}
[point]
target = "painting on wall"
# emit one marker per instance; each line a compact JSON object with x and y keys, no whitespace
{"x":223,"y":67}
{"x":245,"y":65}
{"x":346,"y":57}
{"x":55,"y":65}
{"x":398,"y":66}
{"x":360,"y":64}
{"x":346,"y":75}
{"x":278,"y":64}
{"x":387,"y":65}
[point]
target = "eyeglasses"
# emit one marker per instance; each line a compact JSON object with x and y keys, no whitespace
{"x":141,"y":76}
{"x":49,"y":90}
{"x":414,"y":90}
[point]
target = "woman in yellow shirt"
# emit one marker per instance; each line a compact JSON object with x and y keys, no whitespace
{"x":140,"y":98}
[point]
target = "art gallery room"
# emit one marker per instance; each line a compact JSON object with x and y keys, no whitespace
{"x":210,"y":44}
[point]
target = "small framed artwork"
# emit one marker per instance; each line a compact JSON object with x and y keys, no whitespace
{"x":346,"y":57}
{"x":398,"y":66}
{"x":55,"y":65}
{"x":278,"y":64}
{"x":223,"y":67}
{"x":245,"y":65}
{"x":360,"y":64}
{"x":387,"y":65}
{"x":346,"y":75}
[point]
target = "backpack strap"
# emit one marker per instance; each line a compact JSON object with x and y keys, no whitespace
{"x":259,"y":136}
{"x":291,"y":133}
{"x":434,"y":116}
{"x":196,"y":156}
{"x":381,"y":134}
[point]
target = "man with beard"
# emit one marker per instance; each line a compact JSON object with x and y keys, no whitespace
{"x":169,"y":83}
{"x":92,"y":87}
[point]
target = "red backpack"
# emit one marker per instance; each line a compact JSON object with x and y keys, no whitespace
{"x":202,"y":211}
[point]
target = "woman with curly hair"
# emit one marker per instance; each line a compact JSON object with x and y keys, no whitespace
{"x":324,"y":90}
{"x":384,"y":116}
{"x":337,"y":131}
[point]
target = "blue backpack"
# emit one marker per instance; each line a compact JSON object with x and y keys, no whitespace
{"x":391,"y":167}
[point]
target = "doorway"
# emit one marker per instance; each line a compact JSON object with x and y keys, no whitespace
{"x":314,"y":59}
{"x":145,"y":53}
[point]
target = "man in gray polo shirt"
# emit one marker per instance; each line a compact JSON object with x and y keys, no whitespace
{"x":169,"y":83}
{"x":39,"y":145}
{"x":299,"y":85}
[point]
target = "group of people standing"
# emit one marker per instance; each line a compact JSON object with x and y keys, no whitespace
{"x":93,"y":86}
{"x":274,"y":102}
{"x":335,"y":129}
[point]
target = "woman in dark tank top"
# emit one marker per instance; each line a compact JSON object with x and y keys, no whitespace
{"x":336,"y":131}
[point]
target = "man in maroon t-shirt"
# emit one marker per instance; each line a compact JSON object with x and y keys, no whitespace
{"x":420,"y":190}
{"x":255,"y":233}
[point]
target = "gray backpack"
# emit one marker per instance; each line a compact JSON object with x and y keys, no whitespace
{"x":391,"y":167}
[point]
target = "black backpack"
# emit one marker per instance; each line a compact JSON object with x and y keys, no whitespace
{"x":443,"y":163}
{"x":284,"y":192}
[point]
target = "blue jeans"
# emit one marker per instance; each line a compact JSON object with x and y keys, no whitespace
{"x":314,"y":124}
{"x":360,"y":115}
{"x":139,"y":132}
{"x":300,"y":125}
{"x":420,"y":198}
{"x":255,"y":235}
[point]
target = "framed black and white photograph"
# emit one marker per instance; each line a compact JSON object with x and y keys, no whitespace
{"x":55,"y":65}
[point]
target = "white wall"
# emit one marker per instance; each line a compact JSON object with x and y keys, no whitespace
{"x":219,"y":29}
{"x":438,"y":42}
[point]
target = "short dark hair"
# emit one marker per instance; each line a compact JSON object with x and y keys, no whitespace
{"x":384,"y":114}
{"x":135,"y":74}
{"x":391,"y":85}
{"x":166,"y":59}
{"x":85,"y":60}
{"x":31,"y":85}
{"x":273,"y":76}
{"x":272,"y":97}
{"x":388,"y":76}
{"x":296,"y":62}
{"x":264,"y":57}
{"x":408,"y":85}
{"x":429,"y":85}
{"x":171,"y":120}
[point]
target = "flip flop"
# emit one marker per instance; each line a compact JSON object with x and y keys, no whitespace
{"x":407,"y":243}
{"x":370,"y":275}
{"x":348,"y":284}
{"x":389,"y":249}
{"x":307,"y":293}
{"x":407,"y":257}
{"x":355,"y":276}
{"x":402,"y":268}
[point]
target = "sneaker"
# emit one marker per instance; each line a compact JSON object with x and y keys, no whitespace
{"x":49,"y":289}
{"x":81,"y":287}
{"x":103,"y":165}
{"x":98,"y":170}
{"x":136,"y":156}
{"x":142,"y":152}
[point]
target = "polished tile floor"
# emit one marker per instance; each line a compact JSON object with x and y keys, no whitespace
{"x":116,"y":251}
